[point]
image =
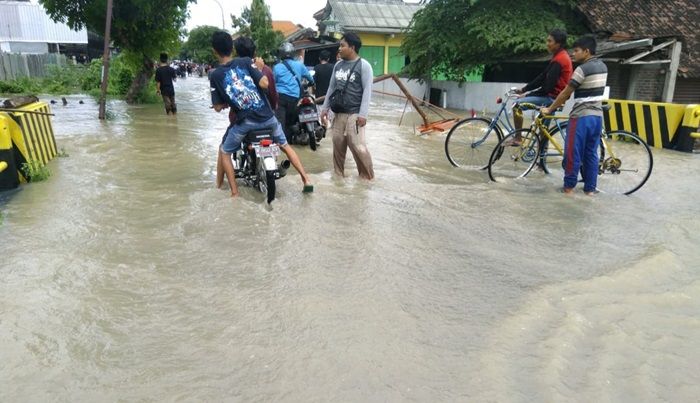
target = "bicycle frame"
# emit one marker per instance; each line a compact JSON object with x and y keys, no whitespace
{"x":499,"y":120}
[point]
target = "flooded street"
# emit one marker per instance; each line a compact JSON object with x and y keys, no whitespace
{"x":128,"y":277}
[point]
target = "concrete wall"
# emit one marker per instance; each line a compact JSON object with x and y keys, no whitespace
{"x":417,"y":89}
{"x":481,"y":97}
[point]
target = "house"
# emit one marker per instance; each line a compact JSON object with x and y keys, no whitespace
{"x":25,"y":28}
{"x":665,"y":64}
{"x":379,"y":23}
{"x":293,"y":32}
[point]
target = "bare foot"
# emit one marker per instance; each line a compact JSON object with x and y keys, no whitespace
{"x":567,"y":191}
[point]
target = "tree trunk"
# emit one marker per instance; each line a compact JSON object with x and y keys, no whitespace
{"x":140,"y":80}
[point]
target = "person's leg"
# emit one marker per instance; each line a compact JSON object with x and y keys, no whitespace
{"x":279,"y":138}
{"x":340,"y":143}
{"x":358,"y":147}
{"x":220,"y":165}
{"x":173,"y":106}
{"x":591,"y":156}
{"x":573,"y":149}
{"x":232,"y":143}
{"x":281,"y":115}
{"x":518,"y":110}
{"x":166,"y":104}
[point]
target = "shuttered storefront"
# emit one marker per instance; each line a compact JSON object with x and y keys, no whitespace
{"x":687,"y":91}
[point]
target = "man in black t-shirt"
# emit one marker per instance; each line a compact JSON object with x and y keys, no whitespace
{"x":165,"y":76}
{"x":239,"y":83}
{"x":322,"y":74}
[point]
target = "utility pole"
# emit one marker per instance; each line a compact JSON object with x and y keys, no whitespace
{"x":105,"y":61}
{"x":223,"y":21}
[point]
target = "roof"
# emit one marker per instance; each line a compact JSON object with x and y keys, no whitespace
{"x":26,"y":22}
{"x":381,"y":16}
{"x":637,"y":19}
{"x":285,"y":27}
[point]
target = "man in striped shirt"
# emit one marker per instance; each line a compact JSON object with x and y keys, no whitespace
{"x":586,"y":118}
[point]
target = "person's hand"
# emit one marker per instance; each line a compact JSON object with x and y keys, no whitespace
{"x":219,"y":107}
{"x":259,"y":63}
{"x":545,"y":111}
{"x":519,"y":91}
{"x":324,"y":114}
{"x":157,"y":92}
{"x":361,"y":121}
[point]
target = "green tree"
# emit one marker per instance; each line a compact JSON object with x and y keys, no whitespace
{"x":452,"y":37}
{"x":140,"y":28}
{"x":198,"y":45}
{"x":256,"y":22}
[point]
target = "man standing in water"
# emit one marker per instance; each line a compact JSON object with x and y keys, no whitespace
{"x":165,"y":76}
{"x":238,"y":84}
{"x":349,"y":93}
{"x":586,"y":118}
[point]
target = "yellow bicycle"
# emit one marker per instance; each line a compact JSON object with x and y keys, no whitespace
{"x":625,"y":160}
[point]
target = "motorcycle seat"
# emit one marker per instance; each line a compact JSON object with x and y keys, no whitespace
{"x":256,"y":136}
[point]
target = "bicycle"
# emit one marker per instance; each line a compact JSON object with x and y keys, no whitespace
{"x":625,"y":160}
{"x":471,"y":141}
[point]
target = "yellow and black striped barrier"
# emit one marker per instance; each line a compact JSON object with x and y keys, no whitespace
{"x":689,"y":131}
{"x":656,"y":123}
{"x":26,"y":136}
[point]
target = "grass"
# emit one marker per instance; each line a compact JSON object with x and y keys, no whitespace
{"x":35,"y":171}
{"x":82,"y":79}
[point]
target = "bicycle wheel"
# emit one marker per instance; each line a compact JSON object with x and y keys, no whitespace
{"x":552,"y":158}
{"x":514,"y":161}
{"x":470,"y":142}
{"x":625,"y":163}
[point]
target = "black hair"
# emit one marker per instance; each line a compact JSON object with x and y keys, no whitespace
{"x":222,"y":43}
{"x":586,"y":42}
{"x":325,"y":55}
{"x":245,"y":47}
{"x":163,"y":57}
{"x":353,"y":40}
{"x":559,"y":36}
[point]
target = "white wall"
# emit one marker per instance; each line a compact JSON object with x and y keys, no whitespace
{"x":478,"y":96}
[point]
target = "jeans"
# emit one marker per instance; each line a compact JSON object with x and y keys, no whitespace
{"x":236,"y":133}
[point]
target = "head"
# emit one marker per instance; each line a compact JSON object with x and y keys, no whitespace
{"x":286,"y":51}
{"x":325,"y":56}
{"x":245,"y":47}
{"x":163,"y":57}
{"x":584,"y":48}
{"x":556,"y":40}
{"x":222,"y":43}
{"x":350,"y":45}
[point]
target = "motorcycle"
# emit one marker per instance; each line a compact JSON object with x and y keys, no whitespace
{"x":308,"y":126}
{"x":256,"y":162}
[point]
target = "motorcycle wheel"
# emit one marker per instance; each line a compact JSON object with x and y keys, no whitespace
{"x":266,"y":183}
{"x":312,"y":138}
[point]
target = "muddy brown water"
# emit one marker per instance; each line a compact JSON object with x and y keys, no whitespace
{"x":128,"y":277}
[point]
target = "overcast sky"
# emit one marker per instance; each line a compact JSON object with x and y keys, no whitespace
{"x":207,"y":12}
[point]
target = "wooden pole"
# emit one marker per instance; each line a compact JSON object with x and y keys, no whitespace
{"x":105,"y":61}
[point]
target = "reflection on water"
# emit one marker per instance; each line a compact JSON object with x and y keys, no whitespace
{"x":128,"y":276}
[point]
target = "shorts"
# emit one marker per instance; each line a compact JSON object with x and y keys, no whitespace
{"x":236,"y":133}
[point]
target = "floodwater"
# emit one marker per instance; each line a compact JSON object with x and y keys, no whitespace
{"x":128,"y":277}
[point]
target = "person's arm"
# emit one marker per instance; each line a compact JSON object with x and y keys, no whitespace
{"x":258,"y":78}
{"x":158,"y":87}
{"x":367,"y":81}
{"x":217,"y":100}
{"x":306,"y":74}
{"x":536,"y":83}
{"x":576,"y":80}
{"x":551,"y":79}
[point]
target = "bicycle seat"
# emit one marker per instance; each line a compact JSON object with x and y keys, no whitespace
{"x":256,"y":136}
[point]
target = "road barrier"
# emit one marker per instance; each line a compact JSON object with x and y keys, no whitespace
{"x":689,"y":130}
{"x":26,"y":135}
{"x":656,"y":123}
